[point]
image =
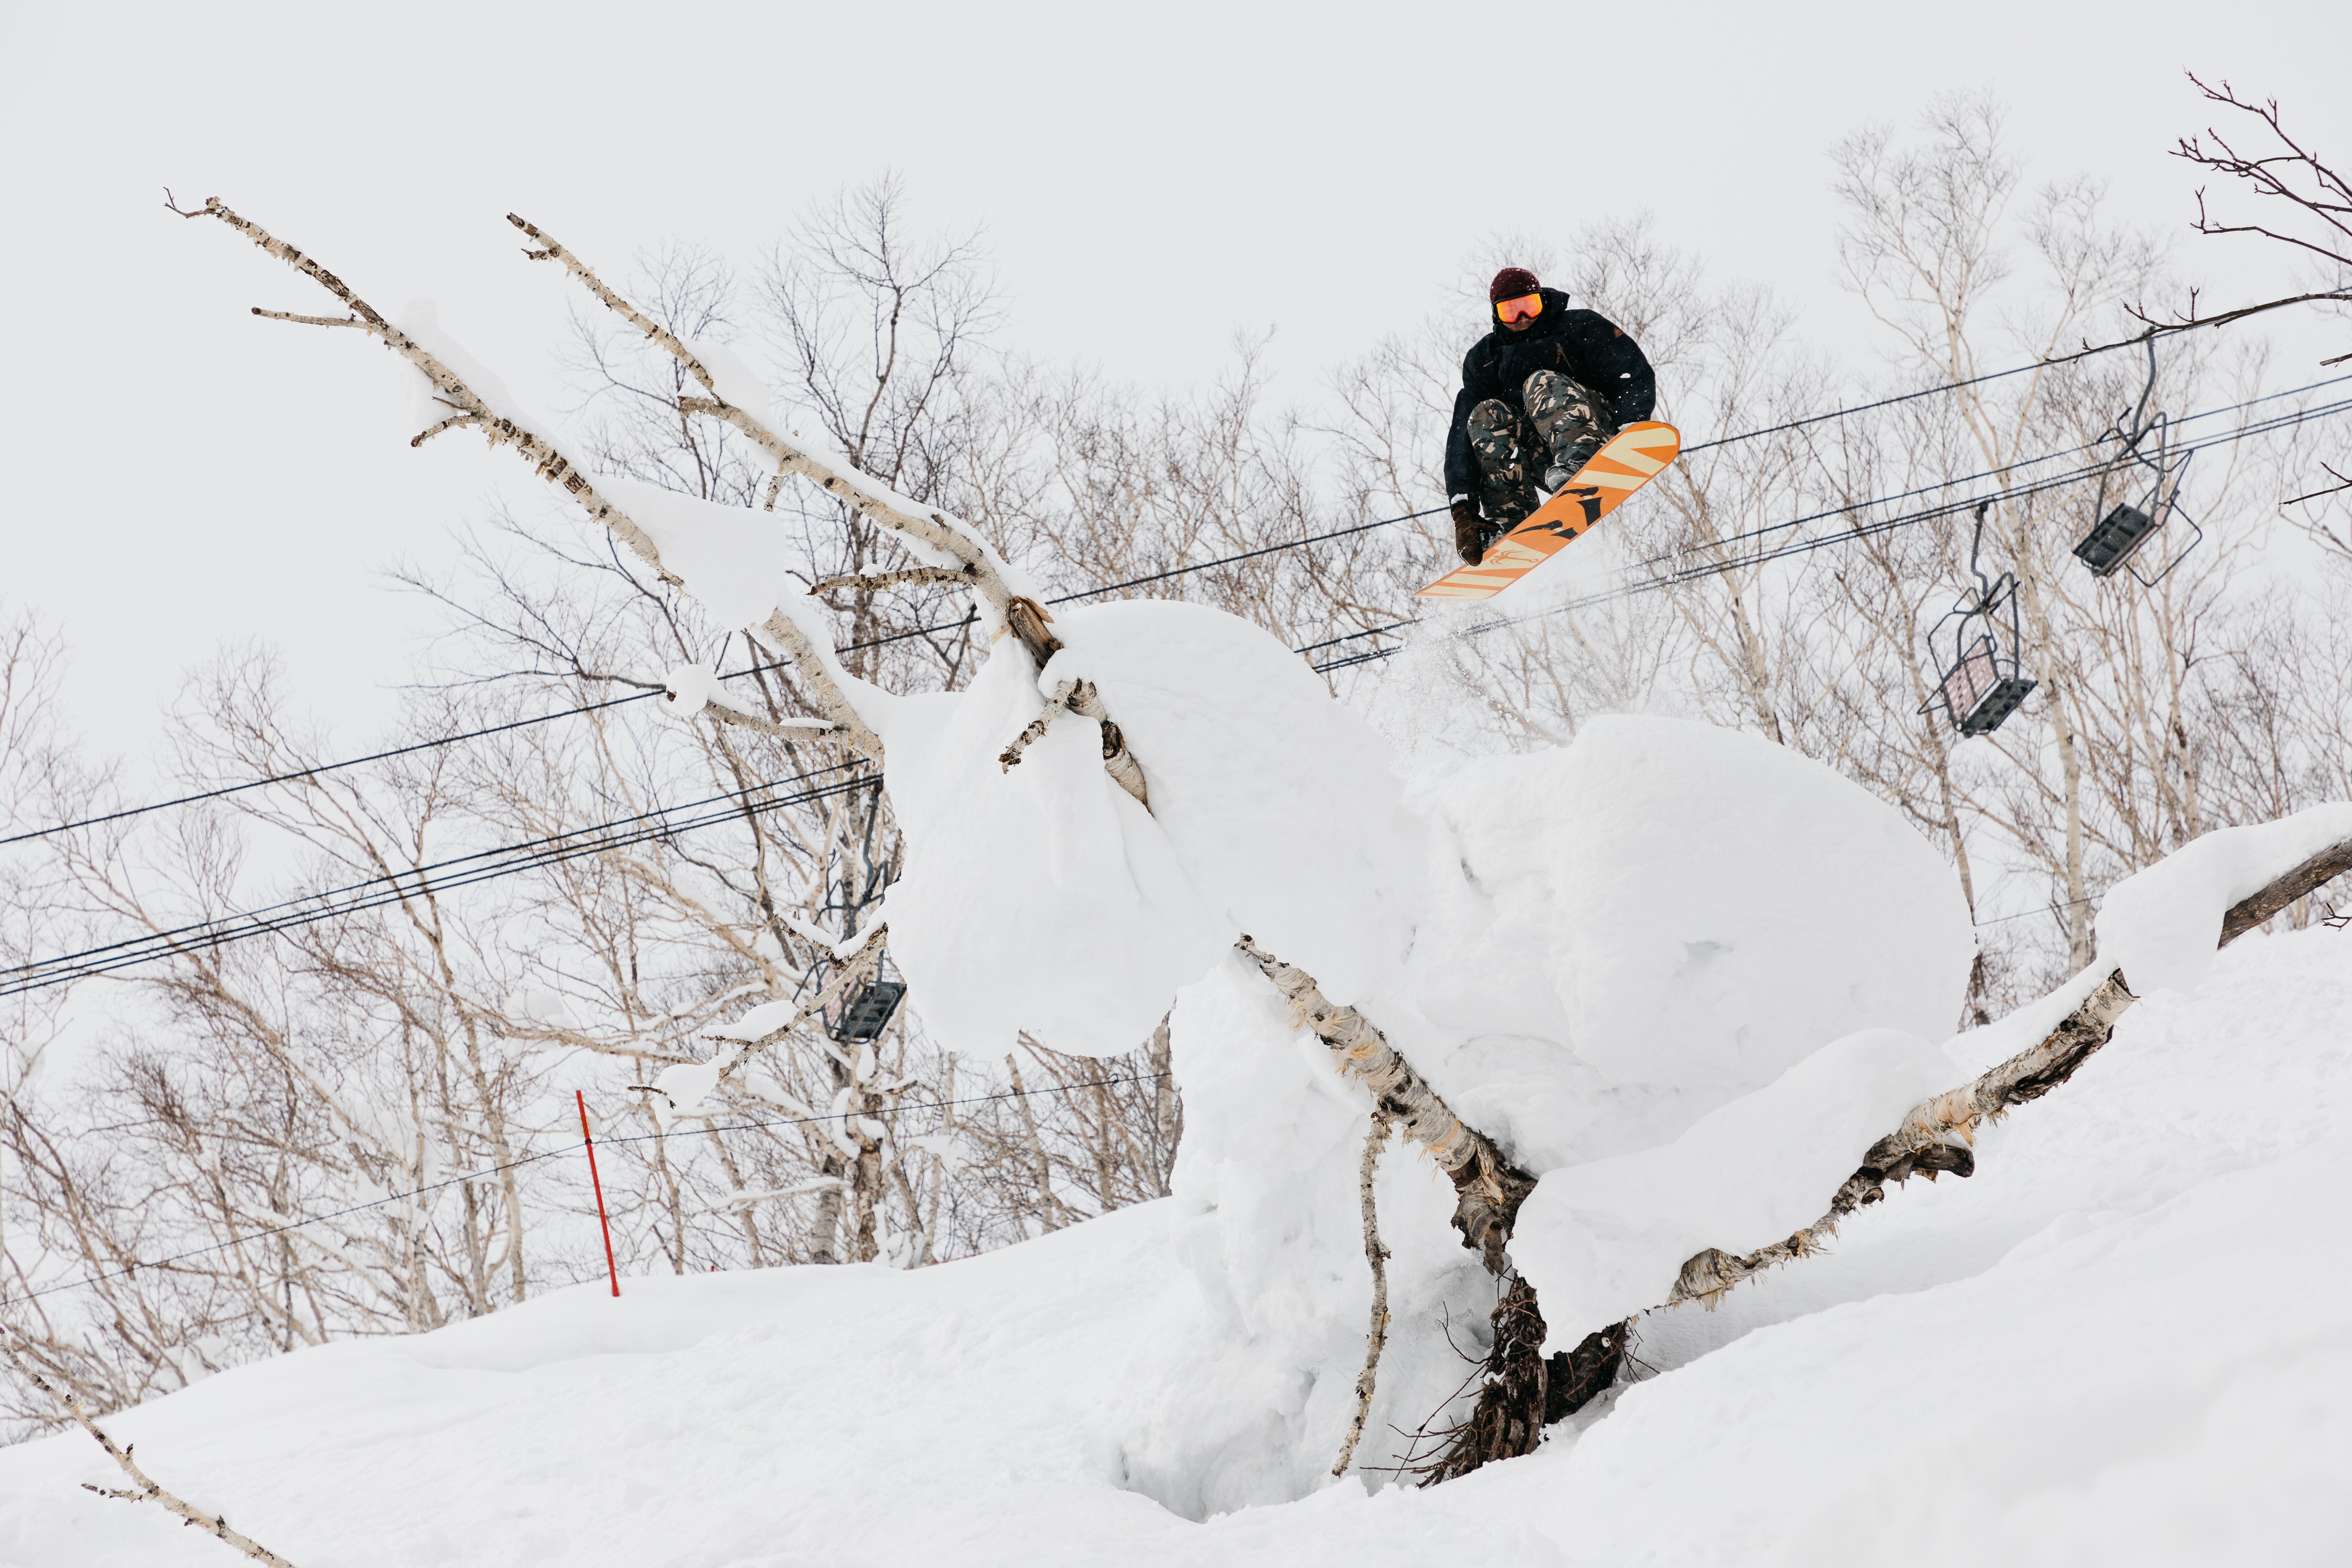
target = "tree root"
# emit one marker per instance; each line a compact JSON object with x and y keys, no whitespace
{"x":1525,"y":1390}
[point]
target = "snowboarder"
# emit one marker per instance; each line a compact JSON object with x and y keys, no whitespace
{"x":1541,"y":393}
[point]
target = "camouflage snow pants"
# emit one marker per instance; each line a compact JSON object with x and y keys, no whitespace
{"x":1515,"y":448}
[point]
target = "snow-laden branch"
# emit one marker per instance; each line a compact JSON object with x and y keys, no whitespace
{"x":144,"y":1488}
{"x":827,"y":682}
{"x":955,"y":552}
{"x":934,"y":532}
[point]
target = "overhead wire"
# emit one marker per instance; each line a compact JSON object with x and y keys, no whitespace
{"x":511,"y":859}
{"x":395,"y":887}
{"x":970,"y":618}
{"x":1860,"y":530}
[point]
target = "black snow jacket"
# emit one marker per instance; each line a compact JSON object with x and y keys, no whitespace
{"x":1583,"y":344}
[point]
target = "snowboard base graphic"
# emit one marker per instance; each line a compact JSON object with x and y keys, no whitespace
{"x":1634,"y":457}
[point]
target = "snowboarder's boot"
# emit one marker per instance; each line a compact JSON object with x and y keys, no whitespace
{"x":1568,"y":461}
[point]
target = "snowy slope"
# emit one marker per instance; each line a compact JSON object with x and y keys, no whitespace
{"x":2127,"y":1340}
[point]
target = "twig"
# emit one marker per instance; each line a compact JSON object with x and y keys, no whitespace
{"x":1035,"y":728}
{"x":144,"y":1488}
{"x":1376,"y":1336}
{"x":2341,"y":483}
{"x":1488,"y":1189}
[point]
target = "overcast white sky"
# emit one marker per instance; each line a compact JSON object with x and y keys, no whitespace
{"x":180,"y":474}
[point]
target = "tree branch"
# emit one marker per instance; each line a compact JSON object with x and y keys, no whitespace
{"x":934,"y":529}
{"x":1488,"y":1189}
{"x":1376,"y":1336}
{"x":1934,"y":1136}
{"x":876,"y":582}
{"x":553,"y":465}
{"x":144,"y":1488}
{"x":1035,"y":729}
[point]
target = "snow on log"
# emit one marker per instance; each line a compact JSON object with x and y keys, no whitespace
{"x":1597,"y":1239}
{"x":2162,"y":926}
{"x":2230,"y":888}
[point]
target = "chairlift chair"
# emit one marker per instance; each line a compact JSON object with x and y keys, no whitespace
{"x":1981,"y":686}
{"x":869,"y":1012}
{"x":2116,"y":537}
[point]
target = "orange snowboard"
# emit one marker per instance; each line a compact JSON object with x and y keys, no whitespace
{"x":1634,"y":457}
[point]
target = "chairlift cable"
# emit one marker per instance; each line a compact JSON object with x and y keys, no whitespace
{"x":1860,"y":530}
{"x":969,"y":618}
{"x":464,"y":870}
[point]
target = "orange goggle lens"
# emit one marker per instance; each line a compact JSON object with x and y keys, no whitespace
{"x":1520,"y":308}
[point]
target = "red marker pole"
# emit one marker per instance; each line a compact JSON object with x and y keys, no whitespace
{"x":589,"y":1143}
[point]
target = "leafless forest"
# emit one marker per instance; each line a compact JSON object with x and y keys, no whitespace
{"x":472,"y":930}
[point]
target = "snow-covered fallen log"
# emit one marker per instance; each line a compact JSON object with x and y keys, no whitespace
{"x":2161,"y":925}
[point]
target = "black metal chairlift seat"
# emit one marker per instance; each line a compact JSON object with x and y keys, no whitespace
{"x":1981,"y":686}
{"x":2120,"y":531}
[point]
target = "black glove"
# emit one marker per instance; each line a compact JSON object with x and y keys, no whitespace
{"x":1469,"y":534}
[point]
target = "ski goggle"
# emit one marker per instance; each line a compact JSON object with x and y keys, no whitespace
{"x":1524,"y":308}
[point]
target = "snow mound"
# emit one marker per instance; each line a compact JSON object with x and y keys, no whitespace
{"x":1042,"y":898}
{"x":2118,"y":1342}
{"x":1653,"y":919}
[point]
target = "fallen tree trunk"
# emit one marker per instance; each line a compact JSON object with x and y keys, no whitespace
{"x":1934,"y":1136}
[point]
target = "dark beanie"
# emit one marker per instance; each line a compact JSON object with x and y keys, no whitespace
{"x":1510,"y":283}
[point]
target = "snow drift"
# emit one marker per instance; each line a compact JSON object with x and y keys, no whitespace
{"x":2137,"y":1356}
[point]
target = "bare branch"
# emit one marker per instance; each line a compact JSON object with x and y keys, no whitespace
{"x":2342,"y":483}
{"x":551,"y":465}
{"x":933,"y":529}
{"x":305,"y":320}
{"x":1035,"y":729}
{"x":876,"y":582}
{"x":144,"y":1488}
{"x":454,"y":422}
{"x":1376,"y":1336}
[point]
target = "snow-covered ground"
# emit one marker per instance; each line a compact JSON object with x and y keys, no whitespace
{"x":2128,"y":1339}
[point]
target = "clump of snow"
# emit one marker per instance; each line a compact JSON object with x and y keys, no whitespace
{"x":2161,"y":926}
{"x":739,"y":564}
{"x":1602,"y":1240}
{"x":691,"y":688}
{"x":1624,"y":933}
{"x":1282,"y":805}
{"x":421,"y":321}
{"x":541,"y":1006}
{"x":1040,"y":898}
{"x":681,"y":1088}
